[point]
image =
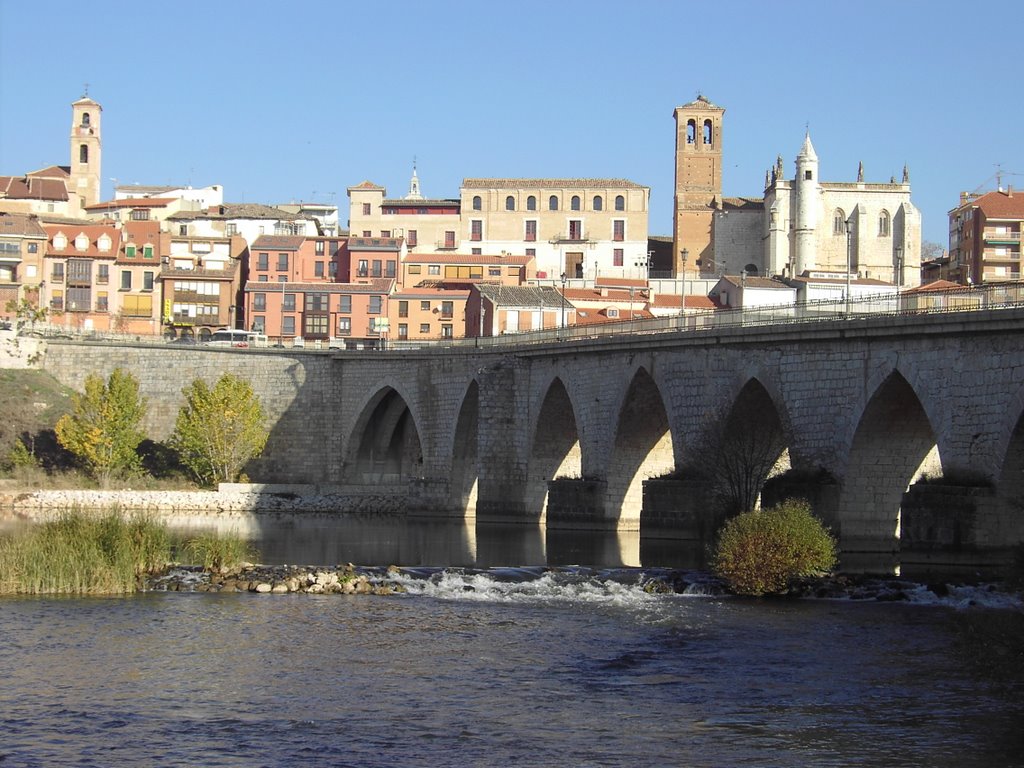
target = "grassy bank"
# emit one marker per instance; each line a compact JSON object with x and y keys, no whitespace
{"x":108,"y":554}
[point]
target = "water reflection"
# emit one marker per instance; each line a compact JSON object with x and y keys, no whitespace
{"x":379,"y":540}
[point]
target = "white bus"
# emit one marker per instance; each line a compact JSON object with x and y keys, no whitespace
{"x":235,"y":337}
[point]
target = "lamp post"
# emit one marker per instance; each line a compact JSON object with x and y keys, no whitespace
{"x":682,"y":297}
{"x":849,"y":259}
{"x":231,"y":310}
{"x":899,"y":266}
{"x":562,"y":323}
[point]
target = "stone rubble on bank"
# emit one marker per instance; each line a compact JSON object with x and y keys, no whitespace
{"x":265,"y":579}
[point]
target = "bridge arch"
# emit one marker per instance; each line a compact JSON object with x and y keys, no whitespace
{"x":893,"y":446}
{"x":465,"y":452}
{"x":642,"y":448}
{"x":555,"y":449}
{"x":1010,"y":479}
{"x":385,"y":441}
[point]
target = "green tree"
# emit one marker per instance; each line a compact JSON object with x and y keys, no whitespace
{"x":219,"y":430}
{"x":761,"y":552}
{"x":103,"y":428}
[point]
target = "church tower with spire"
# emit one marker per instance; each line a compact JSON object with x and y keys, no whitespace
{"x":86,"y":155}
{"x":808,"y":193}
{"x":698,"y":185}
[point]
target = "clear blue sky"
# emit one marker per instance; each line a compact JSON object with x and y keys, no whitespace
{"x":282,"y":103}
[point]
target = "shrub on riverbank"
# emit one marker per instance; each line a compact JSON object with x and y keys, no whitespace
{"x":761,"y":552}
{"x":214,"y":551}
{"x":79,"y":554}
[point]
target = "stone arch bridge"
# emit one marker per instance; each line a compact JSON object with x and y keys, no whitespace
{"x":906,"y":433}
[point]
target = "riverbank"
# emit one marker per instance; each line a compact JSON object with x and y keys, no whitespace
{"x":228,"y":499}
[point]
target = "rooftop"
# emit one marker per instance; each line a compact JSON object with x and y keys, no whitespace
{"x":549,"y":183}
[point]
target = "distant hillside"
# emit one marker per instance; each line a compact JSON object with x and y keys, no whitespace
{"x":31,"y":402}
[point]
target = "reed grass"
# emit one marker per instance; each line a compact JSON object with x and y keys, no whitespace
{"x":83,"y":554}
{"x":214,"y":551}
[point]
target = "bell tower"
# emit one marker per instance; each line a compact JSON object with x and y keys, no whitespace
{"x":86,"y":155}
{"x":698,"y":184}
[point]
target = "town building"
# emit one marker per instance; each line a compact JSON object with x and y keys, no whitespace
{"x":424,"y":224}
{"x":22,"y":245}
{"x":79,"y":275}
{"x":201,"y":281}
{"x":984,"y":237}
{"x":63,"y":190}
{"x":248,"y":220}
{"x":325,"y":215}
{"x":493,"y":310}
{"x":800,"y":225}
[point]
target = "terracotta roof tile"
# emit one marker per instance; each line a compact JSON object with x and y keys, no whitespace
{"x":1001,"y":205}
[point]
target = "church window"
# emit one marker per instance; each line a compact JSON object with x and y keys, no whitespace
{"x":883,"y":224}
{"x":620,"y":203}
{"x":85,"y":119}
{"x":575,"y":202}
{"x":531,"y":203}
{"x":750,"y":270}
{"x":839,"y":222}
{"x":809,"y":175}
{"x":83,"y":153}
{"x":691,"y":131}
{"x":477,"y":203}
{"x":553,"y":203}
{"x":510,"y":203}
{"x":707,"y":132}
{"x":598,"y":203}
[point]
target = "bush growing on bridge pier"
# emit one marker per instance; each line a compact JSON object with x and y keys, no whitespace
{"x":761,"y":552}
{"x":220,"y":429}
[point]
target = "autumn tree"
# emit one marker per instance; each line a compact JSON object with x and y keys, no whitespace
{"x":103,"y":429}
{"x":219,"y":430}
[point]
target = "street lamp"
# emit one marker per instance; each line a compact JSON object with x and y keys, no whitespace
{"x":562,"y":323}
{"x":682,"y":297}
{"x":899,"y":265}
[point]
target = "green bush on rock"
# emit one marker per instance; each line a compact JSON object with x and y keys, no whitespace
{"x":761,"y":552}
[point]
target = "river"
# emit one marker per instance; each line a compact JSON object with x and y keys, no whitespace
{"x":479,"y":665}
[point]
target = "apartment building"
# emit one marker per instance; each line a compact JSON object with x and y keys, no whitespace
{"x":424,"y":224}
{"x":22,"y":245}
{"x":78,"y":267}
{"x":201,"y":280}
{"x":984,"y":237}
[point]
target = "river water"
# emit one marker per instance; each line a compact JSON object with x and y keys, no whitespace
{"x":477,"y":665}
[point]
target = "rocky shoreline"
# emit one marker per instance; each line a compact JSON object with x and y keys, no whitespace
{"x":261,"y":579}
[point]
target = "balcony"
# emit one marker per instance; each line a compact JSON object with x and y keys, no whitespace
{"x":191,"y":274}
{"x":571,"y":237}
{"x":446,"y":245}
{"x":991,"y":236}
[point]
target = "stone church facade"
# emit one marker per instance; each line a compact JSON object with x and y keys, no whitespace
{"x":801,"y":225}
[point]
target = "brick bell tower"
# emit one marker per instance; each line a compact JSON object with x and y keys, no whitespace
{"x":698,"y":187}
{"x":86,"y":155}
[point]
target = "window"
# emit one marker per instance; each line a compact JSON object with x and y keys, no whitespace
{"x":449,"y":239}
{"x":79,"y":271}
{"x":262,"y":279}
{"x":598,"y":203}
{"x":446,"y":332}
{"x":433,"y":269}
{"x":411,"y":238}
{"x":147,"y":251}
{"x":838,"y":222}
{"x":531,"y":251}
{"x":367,"y":233}
{"x":259,"y":302}
{"x":883,"y":224}
{"x":101,"y":302}
{"x":81,"y":243}
{"x":85,"y":119}
{"x":137,"y":306}
{"x":83,"y":153}
{"x":103,"y":243}
{"x":363,"y":268}
{"x":477,"y":203}
{"x":425,"y":328}
{"x":231,"y":229}
{"x":424,"y":306}
{"x":575,"y":229}
{"x":447,"y":309}
{"x":376,"y":268}
{"x":33,"y":247}
{"x":344,"y":326}
{"x":140,"y":214}
{"x":403,"y":330}
{"x":809,"y":175}
{"x":494,"y":271}
{"x":126,"y":280}
{"x":183,"y":230}
{"x":129,"y":251}
{"x":288,"y":325}
{"x":691,"y":131}
{"x":477,"y":251}
{"x":317,"y":325}
{"x":574,"y":203}
{"x":620,"y":203}
{"x":332,"y":269}
{"x":366,"y":209}
{"x":385,"y":233}
{"x":57,"y":274}
{"x":553,"y":203}
{"x":617,"y":257}
{"x":282,"y":262}
{"x":318,"y":269}
{"x":102,"y":274}
{"x":531,"y":203}
{"x":531,"y":231}
{"x":375,"y":304}
{"x":415,"y":269}
{"x":147,"y":281}
{"x":259,"y":324}
{"x":510,"y":203}
{"x":263,"y":261}
{"x":315,"y":302}
{"x":619,"y":230}
{"x":476,"y":230}
{"x":345,"y":303}
{"x":288,"y":302}
{"x":57,"y":300}
{"x":464,"y":272}
{"x":403,"y":308}
{"x":79,"y":299}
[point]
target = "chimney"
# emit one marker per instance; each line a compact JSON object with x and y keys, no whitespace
{"x":1009,"y":190}
{"x":964,"y":197}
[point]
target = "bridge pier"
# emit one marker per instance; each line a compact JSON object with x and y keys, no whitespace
{"x":680,"y":509}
